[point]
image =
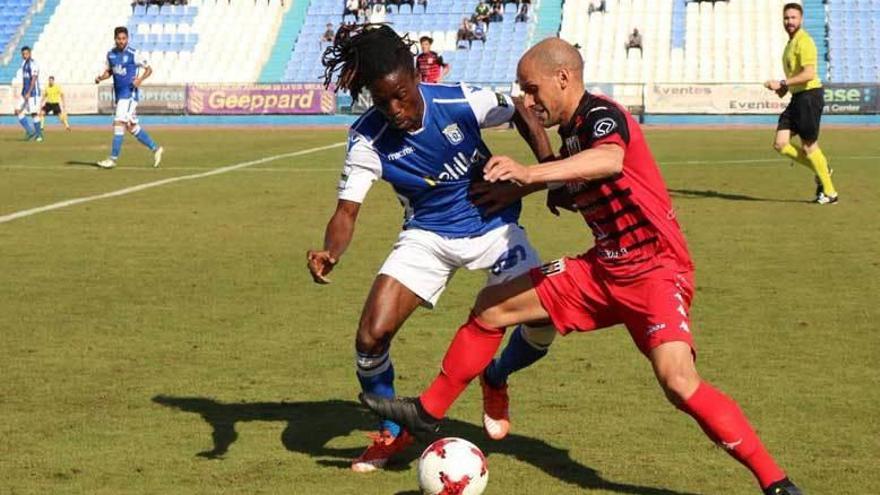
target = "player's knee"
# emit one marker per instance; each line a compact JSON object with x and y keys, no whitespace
{"x":373,"y":338}
{"x":539,"y":337}
{"x":679,"y":383}
{"x":490,"y":314}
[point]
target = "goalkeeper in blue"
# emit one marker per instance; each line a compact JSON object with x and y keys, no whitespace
{"x":124,"y":64}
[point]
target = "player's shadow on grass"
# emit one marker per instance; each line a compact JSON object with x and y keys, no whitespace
{"x":82,"y":163}
{"x":312,"y":425}
{"x":693,"y":193}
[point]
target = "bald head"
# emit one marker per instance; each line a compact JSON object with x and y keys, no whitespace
{"x":551,"y":55}
{"x":551,"y":76}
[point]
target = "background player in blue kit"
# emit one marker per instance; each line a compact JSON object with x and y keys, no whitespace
{"x":425,"y":140}
{"x":124,"y":64}
{"x":29,"y":107}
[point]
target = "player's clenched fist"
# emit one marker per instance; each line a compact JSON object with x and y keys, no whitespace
{"x":500,"y":168}
{"x":320,"y":264}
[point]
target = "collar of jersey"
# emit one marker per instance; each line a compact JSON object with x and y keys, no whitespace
{"x":568,"y":127}
{"x":424,"y":114}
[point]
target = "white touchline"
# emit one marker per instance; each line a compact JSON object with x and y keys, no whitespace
{"x":148,"y":185}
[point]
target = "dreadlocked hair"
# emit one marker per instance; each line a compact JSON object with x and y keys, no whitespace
{"x":363,"y":53}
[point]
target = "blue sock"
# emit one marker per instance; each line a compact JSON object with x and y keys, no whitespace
{"x":376,"y":375}
{"x":38,"y":127}
{"x":517,"y":355}
{"x":25,"y":122}
{"x":117,"y":142}
{"x":144,"y":138}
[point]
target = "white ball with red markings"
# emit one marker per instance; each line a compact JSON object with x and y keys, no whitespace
{"x":453,"y":466}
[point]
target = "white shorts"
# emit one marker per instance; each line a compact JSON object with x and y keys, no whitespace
{"x":29,"y":105}
{"x":126,"y":111}
{"x":425,"y":262}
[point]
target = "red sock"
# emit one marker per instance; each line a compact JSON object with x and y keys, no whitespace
{"x":468,"y":355}
{"x":724,"y":422}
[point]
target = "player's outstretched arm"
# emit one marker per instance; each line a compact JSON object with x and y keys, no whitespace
{"x":595,"y":163}
{"x":337,"y":237}
{"x":496,"y":197}
{"x":104,"y":75}
{"x":532,"y":131}
{"x":148,"y":71}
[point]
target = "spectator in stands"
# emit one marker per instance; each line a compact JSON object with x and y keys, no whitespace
{"x":351,"y":8}
{"x":329,"y":34}
{"x":382,"y":3}
{"x":479,"y":30}
{"x":634,"y":41}
{"x":497,"y":14}
{"x":481,"y":12}
{"x":522,"y":14}
{"x":432,"y":68}
{"x":465,"y":33}
{"x":596,"y":6}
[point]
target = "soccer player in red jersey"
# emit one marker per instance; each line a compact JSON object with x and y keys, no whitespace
{"x":432,"y":68}
{"x":639,"y":272}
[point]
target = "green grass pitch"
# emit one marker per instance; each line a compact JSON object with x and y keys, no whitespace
{"x":171,"y":340}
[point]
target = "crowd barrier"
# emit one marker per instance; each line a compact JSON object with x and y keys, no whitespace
{"x":314,"y":99}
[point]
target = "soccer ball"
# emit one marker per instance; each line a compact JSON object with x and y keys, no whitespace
{"x":453,"y":466}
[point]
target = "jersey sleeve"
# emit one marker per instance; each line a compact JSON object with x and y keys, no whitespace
{"x":808,"y":53}
{"x":440,"y":61}
{"x":362,"y":168}
{"x":490,"y":108}
{"x":604,"y":124}
{"x":35,"y":69}
{"x":107,"y":65}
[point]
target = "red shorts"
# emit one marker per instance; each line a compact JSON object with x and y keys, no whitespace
{"x":653,"y":306}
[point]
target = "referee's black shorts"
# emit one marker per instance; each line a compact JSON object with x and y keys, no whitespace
{"x":803,"y":114}
{"x":51,"y":108}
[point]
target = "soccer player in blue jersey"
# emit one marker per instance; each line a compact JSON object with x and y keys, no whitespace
{"x":425,"y":140}
{"x":124,"y":64}
{"x":29,"y":107}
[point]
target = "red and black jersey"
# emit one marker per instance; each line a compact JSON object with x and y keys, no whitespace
{"x":630,"y":214}
{"x":430,"y":66}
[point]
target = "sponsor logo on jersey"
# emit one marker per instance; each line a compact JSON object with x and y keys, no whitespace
{"x":460,"y":165}
{"x":603,"y":127}
{"x":407,"y":150}
{"x":453,"y":134}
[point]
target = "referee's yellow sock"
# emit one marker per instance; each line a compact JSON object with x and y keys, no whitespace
{"x":820,"y":166}
{"x":796,"y":154}
{"x":64,"y":119}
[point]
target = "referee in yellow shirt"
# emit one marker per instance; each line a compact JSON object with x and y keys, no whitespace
{"x":804,"y":112}
{"x":53,"y":102}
